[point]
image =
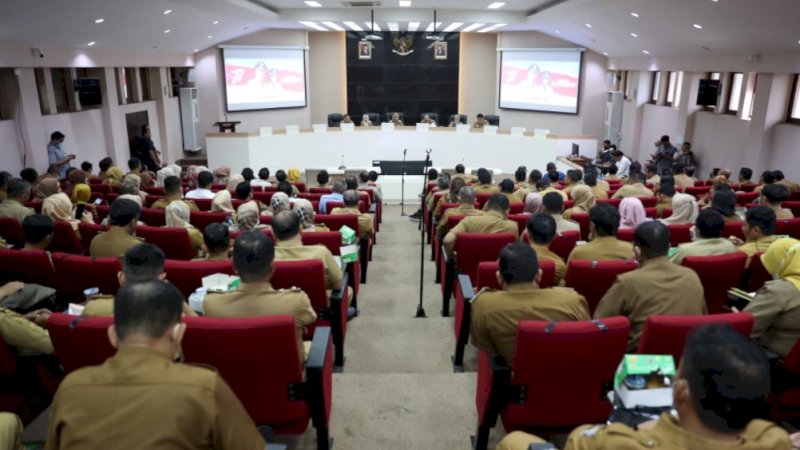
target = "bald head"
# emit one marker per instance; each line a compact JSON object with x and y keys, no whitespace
{"x":351,"y":199}
{"x":652,"y":238}
{"x":285,"y":225}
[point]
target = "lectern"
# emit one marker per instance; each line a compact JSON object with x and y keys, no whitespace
{"x":226,"y":127}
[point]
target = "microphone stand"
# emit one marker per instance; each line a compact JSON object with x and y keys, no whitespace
{"x":403,"y":185}
{"x":420,"y":309}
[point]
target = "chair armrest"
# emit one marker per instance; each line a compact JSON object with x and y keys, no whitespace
{"x":465,"y":286}
{"x":443,"y":252}
{"x":319,"y":377}
{"x":494,"y":379}
{"x":338,"y":321}
{"x":320,"y":349}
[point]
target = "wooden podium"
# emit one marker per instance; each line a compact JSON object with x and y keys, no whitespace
{"x":226,"y":127}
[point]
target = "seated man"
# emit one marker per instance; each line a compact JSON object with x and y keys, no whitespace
{"x":634,"y":188}
{"x":263,"y":178}
{"x":174,"y":191}
{"x":466,"y":207}
{"x":759,"y":231}
{"x":603,"y":243}
{"x":507,"y":190}
{"x":323,"y":179}
{"x":745,"y":175}
{"x":613,"y":172}
{"x":204,"y":181}
{"x":480,"y":122}
{"x":665,"y":193}
{"x":18,"y":191}
{"x":767,"y":178}
{"x":520,"y":179}
{"x":772,"y":196}
{"x":351,"y":201}
{"x":651,"y":176}
{"x":590,"y":178}
{"x":337,"y":195}
{"x":26,"y":333}
{"x":541,"y":232}
{"x":433,"y":198}
{"x":38,"y":230}
{"x":657,"y":287}
{"x":708,"y":226}
{"x":363,"y":178}
{"x":553,"y":204}
{"x":141,"y":388}
{"x":253,"y":256}
{"x":289,"y":247}
{"x":721,"y":386}
{"x":136,"y":167}
{"x":494,"y":221}
{"x":123,"y":217}
{"x":460,"y":173}
{"x":496,"y":313}
{"x":780,"y":178}
{"x":544,"y":188}
{"x":485,"y":182}
{"x":104,"y":164}
{"x":572,"y":179}
{"x":217,"y":239}
{"x":86,"y":167}
{"x":552,"y":175}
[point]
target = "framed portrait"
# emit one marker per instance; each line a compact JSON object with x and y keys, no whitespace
{"x":364,"y":50}
{"x":440,"y":51}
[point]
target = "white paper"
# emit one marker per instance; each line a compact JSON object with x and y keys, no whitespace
{"x":292,"y":129}
{"x":264,"y":131}
{"x":462,"y":128}
{"x":348,"y":127}
{"x":490,"y":129}
{"x":320,"y":127}
{"x":423,"y":127}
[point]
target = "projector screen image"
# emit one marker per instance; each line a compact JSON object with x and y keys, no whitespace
{"x":264,"y":78}
{"x":546,"y":81}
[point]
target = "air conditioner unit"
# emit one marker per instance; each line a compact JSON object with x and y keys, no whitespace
{"x":190,"y":117}
{"x":612,"y":123}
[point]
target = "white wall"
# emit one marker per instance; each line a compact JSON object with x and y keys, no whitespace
{"x":785,"y":148}
{"x":11,"y":152}
{"x":84,"y":131}
{"x":656,"y":122}
{"x":718,"y":142}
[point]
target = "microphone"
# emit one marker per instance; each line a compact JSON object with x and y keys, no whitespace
{"x":404,"y":151}
{"x":342,"y":167}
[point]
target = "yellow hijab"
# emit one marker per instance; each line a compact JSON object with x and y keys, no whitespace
{"x":81,"y":193}
{"x":293,"y":176}
{"x":114,"y":175}
{"x":782,"y":260}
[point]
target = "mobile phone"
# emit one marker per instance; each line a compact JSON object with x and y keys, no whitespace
{"x":540,"y":446}
{"x":98,"y":201}
{"x":79,"y":211}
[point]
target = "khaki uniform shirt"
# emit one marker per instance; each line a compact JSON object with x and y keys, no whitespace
{"x":658,"y":287}
{"x":568,"y":189}
{"x":552,"y":189}
{"x":683,"y":180}
{"x":24,"y":335}
{"x":782,"y":213}
{"x":113,"y":242}
{"x":293,"y":250}
{"x":776,"y":308}
{"x":603,"y":247}
{"x":662,"y":205}
{"x":196,"y":238}
{"x":140,"y":399}
{"x":465,"y":209}
{"x":633,"y":190}
{"x":703,"y":247}
{"x":496,"y":314}
{"x":14,"y":209}
{"x":103,"y":305}
{"x":759,"y":246}
{"x":563,"y":224}
{"x":491,"y":222}
{"x":467,"y":178}
{"x":163,"y":202}
{"x":486,"y":188}
{"x":364,"y":221}
{"x":259,"y":299}
{"x":599,"y":192}
{"x":521,"y":185}
{"x":544,"y":252}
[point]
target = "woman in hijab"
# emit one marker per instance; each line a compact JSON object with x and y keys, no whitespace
{"x":305,"y":210}
{"x":222,"y":202}
{"x":221,"y":174}
{"x":280,"y":202}
{"x":631,"y":213}
{"x":293,"y":176}
{"x":136,"y":182}
{"x":59,"y":207}
{"x":234,"y":181}
{"x":533,"y":203}
{"x":176,"y":170}
{"x":247,"y":218}
{"x":177,"y":216}
{"x":47,"y":186}
{"x":114,"y":176}
{"x":684,"y":210}
{"x":81,"y":194}
{"x":583,"y":199}
{"x":162,"y":175}
{"x":75,"y":177}
{"x":776,"y":306}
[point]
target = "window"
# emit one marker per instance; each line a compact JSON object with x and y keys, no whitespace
{"x":673,"y":89}
{"x":735,"y":92}
{"x":60,"y":91}
{"x":750,"y":98}
{"x":794,"y":105}
{"x":628,"y":85}
{"x":144,"y":79}
{"x":656,"y":87}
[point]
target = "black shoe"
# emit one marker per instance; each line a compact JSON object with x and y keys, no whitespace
{"x":351,"y":313}
{"x":416,"y":216}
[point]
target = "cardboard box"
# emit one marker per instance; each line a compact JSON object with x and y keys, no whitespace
{"x":349,"y":253}
{"x":654,"y":372}
{"x":348,"y":235}
{"x":221,"y":282}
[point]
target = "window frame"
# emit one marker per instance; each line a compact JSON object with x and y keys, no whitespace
{"x":672,"y":87}
{"x":794,"y":100}
{"x":731,"y":84}
{"x":655,"y":90}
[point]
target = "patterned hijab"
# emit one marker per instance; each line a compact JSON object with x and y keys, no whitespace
{"x":221,"y":174}
{"x":177,"y":215}
{"x":222,"y":202}
{"x":305,"y":210}
{"x":247,"y":216}
{"x":279,"y":202}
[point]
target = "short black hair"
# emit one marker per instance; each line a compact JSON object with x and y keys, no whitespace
{"x":122,"y":212}
{"x":286,"y":188}
{"x":243,"y":190}
{"x":652,"y":238}
{"x":775,"y":193}
{"x":484,"y":176}
{"x":710,"y":223}
{"x":150,"y":308}
{"x":253,"y":253}
{"x":323,"y":177}
{"x":280,"y":175}
{"x":762,"y":217}
{"x":650,"y":168}
{"x":605,"y":219}
{"x":590,"y":178}
{"x":105,"y":163}
{"x":778,"y":175}
{"x":263,"y":173}
{"x":607,"y":142}
{"x":518,"y":263}
{"x":460,"y":168}
{"x":541,"y":228}
{"x":768,"y":176}
{"x":86,"y":166}
{"x":667,"y":189}
{"x":17,"y":187}
{"x":351,"y":198}
{"x":520,"y":174}
{"x":575,"y":175}
{"x":498,"y":202}
{"x":351,"y":182}
{"x":134,"y":163}
{"x":29,"y":174}
{"x":689,"y":171}
{"x":724,"y":202}
{"x":613,"y":169}
{"x":363,"y":176}
{"x":37,"y":227}
{"x":636,"y":176}
{"x":285,"y":225}
{"x":172,"y":185}
{"x":247,"y":174}
{"x":56,"y":135}
{"x":143,"y":262}
{"x":205,"y":179}
{"x":727,"y":375}
{"x":553,"y":203}
{"x":542,"y":184}
{"x":535,"y":175}
{"x":507,"y":186}
{"x":216,"y":236}
{"x":677,"y":169}
{"x":746,"y":173}
{"x":550,"y":166}
{"x":373,"y":176}
{"x":432,"y":174}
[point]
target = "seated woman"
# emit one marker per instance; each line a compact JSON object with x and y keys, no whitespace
{"x":724,"y":202}
{"x":347,"y":119}
{"x":221,"y":174}
{"x":631,"y":213}
{"x":247,"y":218}
{"x":365,"y":122}
{"x":59,"y":207}
{"x":45,"y":188}
{"x":177,"y":215}
{"x":684,"y":210}
{"x":396,"y":120}
{"x":114,"y":176}
{"x":305,"y":210}
{"x":279,"y":202}
{"x":222,"y":202}
{"x":583,"y":199}
{"x":81,"y":194}
{"x":427,"y":119}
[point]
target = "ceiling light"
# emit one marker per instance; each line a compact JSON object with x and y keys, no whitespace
{"x":215,"y":22}
{"x":453,"y":26}
{"x":413,"y":26}
{"x":313,"y":25}
{"x":209,"y":36}
{"x":699,"y":27}
{"x":588,"y":25}
{"x":605,"y":53}
{"x":167,"y":12}
{"x":313,"y":4}
{"x":496,"y":5}
{"x":333,"y":26}
{"x":405,"y":3}
{"x":100,"y":20}
{"x":472,"y":27}
{"x":645,"y":52}
{"x":634,"y":35}
{"x":167,"y":31}
{"x":196,"y":50}
{"x":370,"y":26}
{"x":635,"y":15}
{"x":431,"y":27}
{"x":353,"y":26}
{"x":558,"y":32}
{"x":492,"y":28}
{"x":393,"y":26}
{"x":90,"y":44}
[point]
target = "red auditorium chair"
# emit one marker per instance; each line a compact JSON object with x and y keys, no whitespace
{"x":335,"y":222}
{"x":651,"y":212}
{"x":309,"y":196}
{"x":784,"y":398}
{"x":464,"y":294}
{"x":441,"y":263}
{"x":309,"y":275}
{"x":174,"y":242}
{"x":666,"y":335}
{"x":188,"y":275}
{"x":516,"y":208}
{"x":698,"y":191}
{"x":320,"y":190}
{"x":203,"y":204}
{"x":593,"y":278}
{"x":545,"y":380}
{"x":80,"y":341}
{"x":270,"y":382}
{"x":301,"y":187}
{"x":64,"y":239}
{"x":470,"y":250}
{"x":611,"y":201}
{"x":88,"y":231}
{"x":564,"y":242}
{"x":159,"y":191}
{"x":743,"y":198}
{"x":733,"y":229}
{"x":748,"y":187}
{"x":625,"y":234}
{"x":101,"y":188}
{"x":201,"y":219}
{"x":648,"y":202}
{"x":678,"y":234}
{"x":718,"y":274}
{"x":794,"y":206}
{"x":36,"y":206}
{"x":756,"y":275}
{"x":153,"y":217}
{"x":788,"y":226}
{"x":330,"y":205}
{"x":11,"y":231}
{"x":482,"y":198}
{"x":666,"y":212}
{"x":333,"y":241}
{"x":107,"y":199}
{"x":263,"y":197}
{"x":102,"y":212}
{"x":583,"y":221}
{"x":150,"y":199}
{"x":75,"y":273}
{"x":28,"y":267}
{"x":522,"y":221}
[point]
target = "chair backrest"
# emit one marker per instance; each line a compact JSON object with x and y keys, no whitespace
{"x":301,"y":186}
{"x":756,"y":274}
{"x":583,"y":221}
{"x":311,"y":196}
{"x":794,"y":206}
{"x":375,"y":118}
{"x":648,"y":202}
{"x":36,"y":206}
{"x":201,"y":219}
{"x":151,"y":190}
{"x":27,"y":266}
{"x":174,"y":242}
{"x":150,"y":199}
{"x":611,"y":201}
{"x":625,"y":234}
{"x":80,"y":341}
{"x":335,"y":119}
{"x":335,"y":222}
{"x":330,"y":205}
{"x":482,"y":198}
{"x":462,"y":118}
{"x":102,"y":188}
{"x":522,"y":221}
{"x":11,"y":231}
{"x":733,"y":229}
{"x":544,"y":365}
{"x":188,"y":275}
{"x":564,"y":242}
{"x":473,"y":248}
{"x":64,"y":239}
{"x":153,"y":217}
{"x":487,"y":271}
{"x":718,"y":274}
{"x":666,"y":335}
{"x":88,"y":231}
{"x":330,"y":239}
{"x":203,"y":204}
{"x":593,"y":278}
{"x":492,"y":119}
{"x":788,"y":226}
{"x":697,"y":191}
{"x":306,"y":274}
{"x":75,"y":273}
{"x":743,"y":198}
{"x":102,"y":211}
{"x":651,"y":212}
{"x":678,"y":234}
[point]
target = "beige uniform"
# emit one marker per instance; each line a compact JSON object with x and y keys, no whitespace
{"x":486,"y":188}
{"x":776,"y":308}
{"x":563,"y":224}
{"x":141,"y":399}
{"x":661,"y":205}
{"x":364,"y":221}
{"x":782,"y":213}
{"x":463,"y":176}
{"x":750,"y":248}
{"x":667,"y":434}
{"x":293,"y":250}
{"x":563,"y":194}
{"x":14,"y":209}
{"x":599,"y":192}
{"x":439,"y":201}
{"x":196,"y":238}
{"x":24,"y":335}
{"x":703,"y":247}
{"x":603,"y":247}
{"x":114,"y":242}
{"x":462,"y":209}
{"x":658,"y":287}
{"x":259,"y":299}
{"x":544,"y":252}
{"x":10,"y":431}
{"x":684,"y":180}
{"x":162,"y":203}
{"x":496,"y":314}
{"x":491,"y":222}
{"x":633,"y":190}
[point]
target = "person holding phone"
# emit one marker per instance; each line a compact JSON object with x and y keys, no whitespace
{"x":56,"y":155}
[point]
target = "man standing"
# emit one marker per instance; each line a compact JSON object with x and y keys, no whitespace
{"x":665,"y":154}
{"x":148,"y":153}
{"x":56,"y":155}
{"x":623,"y":164}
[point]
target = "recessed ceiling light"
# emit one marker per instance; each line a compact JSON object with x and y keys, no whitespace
{"x":373,"y":25}
{"x":413,"y":26}
{"x":492,"y":28}
{"x":558,"y":32}
{"x":496,"y":5}
{"x":333,"y":26}
{"x":209,"y":36}
{"x":100,"y":20}
{"x":215,"y":22}
{"x":699,"y":27}
{"x":472,"y":27}
{"x":634,"y":35}
{"x":313,"y":25}
{"x":635,"y":14}
{"x":195,"y":50}
{"x":645,"y":52}
{"x":605,"y":53}
{"x":313,"y":4}
{"x":588,"y":25}
{"x":453,"y":26}
{"x":90,"y":44}
{"x":405,"y":3}
{"x":393,"y":26}
{"x":353,"y":26}
{"x":167,"y":31}
{"x":167,"y":11}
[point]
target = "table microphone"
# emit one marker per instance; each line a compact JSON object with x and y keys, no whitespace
{"x":342,"y":167}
